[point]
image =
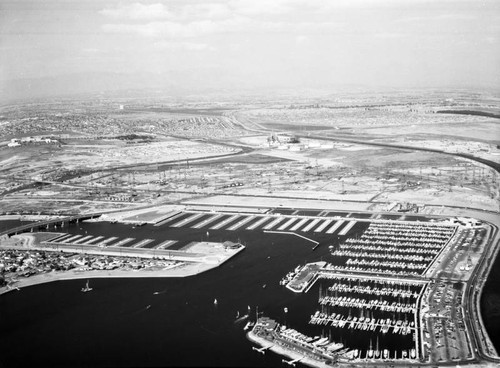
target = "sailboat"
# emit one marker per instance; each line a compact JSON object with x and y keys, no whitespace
{"x":370,"y":351}
{"x":86,"y":288}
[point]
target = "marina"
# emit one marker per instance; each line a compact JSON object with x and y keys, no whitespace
{"x":371,"y":310}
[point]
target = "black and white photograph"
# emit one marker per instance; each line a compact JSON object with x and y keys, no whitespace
{"x":250,"y":183}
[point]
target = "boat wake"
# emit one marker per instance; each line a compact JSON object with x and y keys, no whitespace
{"x":160,"y":292}
{"x":241,"y":319}
{"x":141,"y":310}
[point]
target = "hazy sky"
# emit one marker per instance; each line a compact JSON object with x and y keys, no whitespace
{"x":257,"y":42}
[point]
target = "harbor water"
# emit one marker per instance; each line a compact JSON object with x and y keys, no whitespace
{"x":170,"y":321}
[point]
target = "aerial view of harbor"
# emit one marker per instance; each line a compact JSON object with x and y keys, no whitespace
{"x":249,"y":183}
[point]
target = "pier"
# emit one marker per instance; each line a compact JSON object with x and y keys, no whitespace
{"x":241,"y":223}
{"x":335,"y":227}
{"x":207,"y":221}
{"x":224,"y":222}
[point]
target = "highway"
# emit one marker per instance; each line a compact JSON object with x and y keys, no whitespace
{"x":480,"y":273}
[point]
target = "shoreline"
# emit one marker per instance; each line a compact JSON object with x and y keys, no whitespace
{"x":182,"y":270}
{"x":275,"y":348}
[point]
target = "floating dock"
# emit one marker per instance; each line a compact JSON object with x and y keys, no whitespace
{"x":335,"y":227}
{"x":323,"y":226}
{"x":288,"y":223}
{"x":142,"y":243}
{"x":240,"y":223}
{"x":206,"y":222}
{"x":311,"y":225}
{"x":224,"y":222}
{"x":299,"y":224}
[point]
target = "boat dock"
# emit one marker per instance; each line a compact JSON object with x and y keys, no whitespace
{"x":142,"y":243}
{"x":273,"y":223}
{"x":187,"y":220}
{"x":346,"y":228}
{"x":123,"y":242}
{"x":165,"y":244}
{"x":106,"y":241}
{"x":258,"y":223}
{"x":298,"y":224}
{"x":69,"y":240}
{"x":93,"y":240}
{"x":207,"y":221}
{"x":240,"y":223}
{"x":335,"y":227}
{"x":288,"y":223}
{"x":323,"y":226}
{"x":169,"y":217}
{"x":81,"y":240}
{"x":224,"y":222}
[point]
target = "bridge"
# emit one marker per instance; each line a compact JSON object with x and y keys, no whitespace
{"x":48,"y":223}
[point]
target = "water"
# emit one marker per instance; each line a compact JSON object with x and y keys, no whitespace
{"x":490,"y":304}
{"x":56,"y":324}
{"x":113,"y":326}
{"x":9,"y":224}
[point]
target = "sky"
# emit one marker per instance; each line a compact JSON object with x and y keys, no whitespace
{"x":253,"y":43}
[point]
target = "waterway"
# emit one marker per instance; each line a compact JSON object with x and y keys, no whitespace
{"x":122,"y":322}
{"x":59,"y":325}
{"x":490,"y":304}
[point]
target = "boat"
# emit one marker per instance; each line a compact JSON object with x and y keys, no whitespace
{"x":369,"y":354}
{"x":239,"y":319}
{"x":321,"y":341}
{"x":215,"y":301}
{"x":86,"y":288}
{"x":249,"y":325}
{"x":413,"y":353}
{"x":386,"y":354}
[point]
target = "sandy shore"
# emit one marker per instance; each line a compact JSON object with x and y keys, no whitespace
{"x":181,"y":270}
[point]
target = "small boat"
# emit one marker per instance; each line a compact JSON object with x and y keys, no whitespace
{"x":264,"y":286}
{"x":285,"y":310}
{"x":386,"y":354}
{"x":149,"y":306}
{"x":215,"y":301}
{"x":86,"y":288}
{"x":242,"y":318}
{"x":249,"y":325}
{"x":369,"y":354}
